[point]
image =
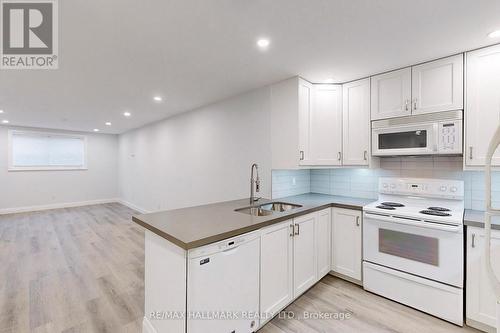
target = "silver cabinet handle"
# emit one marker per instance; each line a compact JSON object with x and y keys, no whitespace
{"x":406,"y":104}
{"x":293,"y":230}
{"x":357,"y":221}
{"x":473,"y":244}
{"x":365,"y":155}
{"x":470,"y":153}
{"x":340,"y":156}
{"x":301,"y":155}
{"x":415,"y":104}
{"x":298,"y":230}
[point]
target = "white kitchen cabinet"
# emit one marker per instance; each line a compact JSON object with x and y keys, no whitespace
{"x":356,"y":122}
{"x":276,"y":267}
{"x":438,"y":85}
{"x":482,"y":110}
{"x":480,"y":297}
{"x":306,"y":122}
{"x":323,"y":242}
{"x":391,"y":94}
{"x":325,"y":126}
{"x":346,"y":243}
{"x":304,"y":253}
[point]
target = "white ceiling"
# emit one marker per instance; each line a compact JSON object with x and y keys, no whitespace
{"x":116,"y":55}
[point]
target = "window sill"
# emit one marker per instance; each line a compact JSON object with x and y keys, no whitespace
{"x":17,"y":169}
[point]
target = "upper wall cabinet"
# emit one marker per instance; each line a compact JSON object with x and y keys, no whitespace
{"x":325,"y":130}
{"x":482,"y":111}
{"x":438,"y":85}
{"x":306,"y":122}
{"x":391,"y":94}
{"x":430,"y":87}
{"x":356,"y":122}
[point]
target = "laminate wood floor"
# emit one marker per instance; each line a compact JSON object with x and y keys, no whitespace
{"x":79,"y":270}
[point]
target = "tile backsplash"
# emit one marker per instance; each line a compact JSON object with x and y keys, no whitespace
{"x":363,"y":183}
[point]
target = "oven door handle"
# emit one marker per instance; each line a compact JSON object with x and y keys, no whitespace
{"x":416,"y":223}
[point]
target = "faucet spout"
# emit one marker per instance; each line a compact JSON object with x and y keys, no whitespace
{"x":256,"y":181}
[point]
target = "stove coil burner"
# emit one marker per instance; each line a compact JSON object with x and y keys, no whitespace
{"x":392,"y":204}
{"x":386,"y":207}
{"x":439,"y":209}
{"x":434,"y":212}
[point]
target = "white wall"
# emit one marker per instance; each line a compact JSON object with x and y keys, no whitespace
{"x":198,"y":157}
{"x":30,"y":190}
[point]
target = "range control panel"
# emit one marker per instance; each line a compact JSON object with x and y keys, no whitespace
{"x":438,"y":188}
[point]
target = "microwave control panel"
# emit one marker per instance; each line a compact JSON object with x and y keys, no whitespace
{"x":450,"y":137}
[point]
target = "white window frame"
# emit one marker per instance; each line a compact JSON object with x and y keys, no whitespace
{"x":12,"y":167}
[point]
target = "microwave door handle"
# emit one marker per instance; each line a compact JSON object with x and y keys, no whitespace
{"x":405,"y":221}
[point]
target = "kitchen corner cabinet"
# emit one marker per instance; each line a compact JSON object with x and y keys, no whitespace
{"x":346,"y":243}
{"x":306,"y":122}
{"x":391,"y":94}
{"x":433,"y":86}
{"x":438,"y":85}
{"x":482,"y":110}
{"x":480,"y":297}
{"x":356,"y":123}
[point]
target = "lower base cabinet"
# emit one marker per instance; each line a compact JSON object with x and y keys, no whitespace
{"x":480,"y":297}
{"x":347,"y":243}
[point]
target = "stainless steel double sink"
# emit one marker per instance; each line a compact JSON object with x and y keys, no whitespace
{"x":267,"y":209}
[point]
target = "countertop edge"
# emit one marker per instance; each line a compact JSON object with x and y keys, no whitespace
{"x":240,"y":231}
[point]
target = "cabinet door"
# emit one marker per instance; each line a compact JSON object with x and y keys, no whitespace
{"x":482,"y":111}
{"x":305,"y":113}
{"x":304,"y":253}
{"x":480,"y":296}
{"x":438,"y":85}
{"x":356,"y":122}
{"x":346,"y":242}
{"x":323,"y":242}
{"x":391,"y":94}
{"x":276,"y":263}
{"x":326,"y":125}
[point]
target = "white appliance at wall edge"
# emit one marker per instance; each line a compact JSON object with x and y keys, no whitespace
{"x":490,"y":212}
{"x":413,"y":245}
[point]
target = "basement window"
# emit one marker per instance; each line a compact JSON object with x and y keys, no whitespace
{"x":46,"y":151}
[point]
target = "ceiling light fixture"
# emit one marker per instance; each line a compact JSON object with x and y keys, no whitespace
{"x":263,"y":43}
{"x":329,"y":80}
{"x":494,"y":34}
{"x":1,"y":111}
{"x":127,"y":114}
{"x":107,"y":123}
{"x":158,"y":98}
{"x":96,"y":130}
{"x":5,"y":121}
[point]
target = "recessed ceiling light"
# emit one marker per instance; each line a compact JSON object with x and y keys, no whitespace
{"x":96,"y":130}
{"x":127,"y":114}
{"x":158,"y":98}
{"x":494,"y":34}
{"x":107,"y":123}
{"x":263,"y":43}
{"x":1,"y":111}
{"x":5,"y":121}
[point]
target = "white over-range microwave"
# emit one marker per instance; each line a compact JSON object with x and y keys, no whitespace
{"x":427,"y":134}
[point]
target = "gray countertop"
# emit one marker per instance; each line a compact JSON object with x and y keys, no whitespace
{"x":475,"y":218}
{"x":192,"y":227}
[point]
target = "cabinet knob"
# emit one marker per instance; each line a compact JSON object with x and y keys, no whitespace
{"x":365,"y":155}
{"x":473,"y":243}
{"x":470,"y":153}
{"x":298,"y":230}
{"x":301,"y":155}
{"x":292,"y":232}
{"x":407,"y":102}
{"x":415,"y":104}
{"x":357,"y":221}
{"x":340,"y":156}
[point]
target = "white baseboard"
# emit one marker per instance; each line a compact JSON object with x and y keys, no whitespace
{"x":147,"y":327}
{"x":14,"y":210}
{"x":134,"y":207}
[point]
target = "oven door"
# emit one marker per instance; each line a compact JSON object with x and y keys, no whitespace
{"x":416,"y":139}
{"x":426,"y":249}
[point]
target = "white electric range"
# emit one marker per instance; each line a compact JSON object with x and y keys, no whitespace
{"x":413,"y":245}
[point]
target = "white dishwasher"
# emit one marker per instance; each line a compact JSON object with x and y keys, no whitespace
{"x":223,"y":286}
